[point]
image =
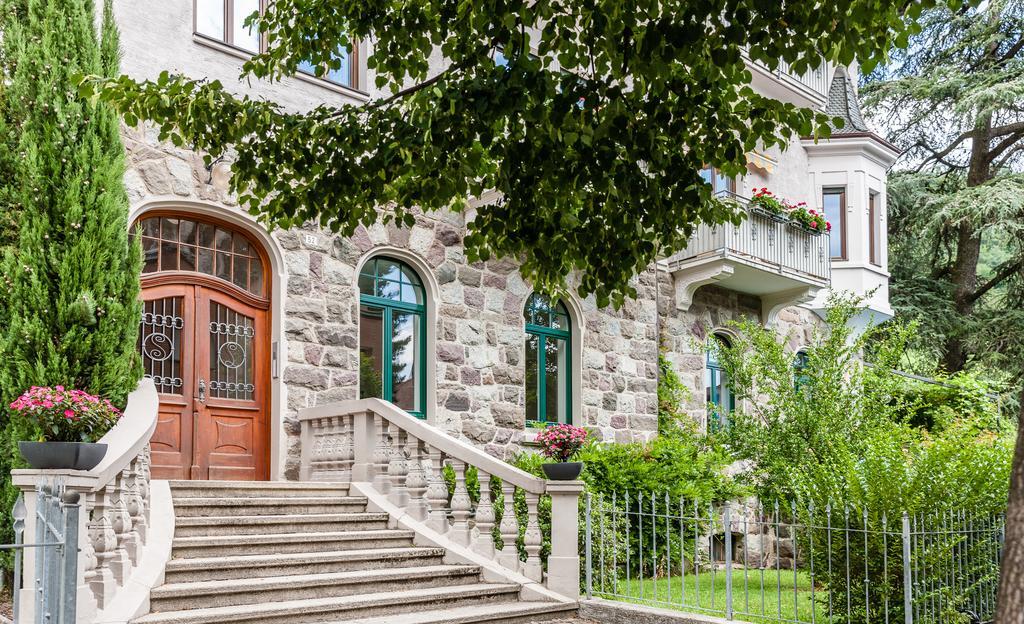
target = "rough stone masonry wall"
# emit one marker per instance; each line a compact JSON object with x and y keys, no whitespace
{"x":479,"y":322}
{"x":479,"y":330}
{"x":480,"y":368}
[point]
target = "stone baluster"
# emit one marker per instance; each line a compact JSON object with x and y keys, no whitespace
{"x":121,"y":522}
{"x":532,"y":539}
{"x":381,"y":455}
{"x":346,"y":455}
{"x":330,"y":448}
{"x":104,"y":543}
{"x":133,"y":506}
{"x":140,"y":519}
{"x":509,"y":527}
{"x":462,"y":505}
{"x":398,"y":468}
{"x":416,"y":481}
{"x":317,"y":454}
{"x":146,"y":476}
{"x":437,"y":492}
{"x":484,"y":540}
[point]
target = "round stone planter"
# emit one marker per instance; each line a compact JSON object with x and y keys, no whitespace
{"x":563,"y":471}
{"x":62,"y":455}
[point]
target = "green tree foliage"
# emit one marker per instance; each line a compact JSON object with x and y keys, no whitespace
{"x":952,"y":101}
{"x":843,"y":442}
{"x":69,"y":313}
{"x":849,"y":432}
{"x":594,"y":131}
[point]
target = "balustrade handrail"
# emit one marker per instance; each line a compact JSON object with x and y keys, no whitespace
{"x":406,"y":467}
{"x":127,"y":439}
{"x":449,"y":445}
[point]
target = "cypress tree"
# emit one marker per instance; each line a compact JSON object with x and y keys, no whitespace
{"x":69,"y":277}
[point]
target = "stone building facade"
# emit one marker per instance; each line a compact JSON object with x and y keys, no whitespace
{"x":473,"y":369}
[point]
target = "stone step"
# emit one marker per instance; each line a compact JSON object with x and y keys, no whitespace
{"x":221,"y":489}
{"x":256,"y":566}
{"x":285,"y":523}
{"x":345,"y":608}
{"x":223,"y":545}
{"x":186,"y":507}
{"x":494,"y":613}
{"x":208,"y":594}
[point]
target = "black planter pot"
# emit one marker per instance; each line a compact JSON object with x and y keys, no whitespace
{"x":62,"y":455}
{"x":563,"y":471}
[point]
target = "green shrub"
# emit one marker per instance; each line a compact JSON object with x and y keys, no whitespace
{"x":859,"y":439}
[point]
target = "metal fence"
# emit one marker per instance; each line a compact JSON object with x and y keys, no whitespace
{"x":54,"y":575}
{"x":784,"y":564}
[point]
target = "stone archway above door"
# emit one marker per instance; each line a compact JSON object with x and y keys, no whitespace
{"x":205,"y":341}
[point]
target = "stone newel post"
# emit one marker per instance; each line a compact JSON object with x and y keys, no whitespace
{"x":564,"y":561}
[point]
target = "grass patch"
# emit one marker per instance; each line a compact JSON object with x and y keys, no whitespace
{"x":757,"y":595}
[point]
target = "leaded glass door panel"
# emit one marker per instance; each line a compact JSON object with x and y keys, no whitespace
{"x":168,"y":357}
{"x":232,"y":363}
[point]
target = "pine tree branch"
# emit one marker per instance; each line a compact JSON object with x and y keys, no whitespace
{"x":1006,"y":159}
{"x":1000,"y":277}
{"x":1003,"y":145}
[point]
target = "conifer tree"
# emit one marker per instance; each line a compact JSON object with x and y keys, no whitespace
{"x":69,"y":277}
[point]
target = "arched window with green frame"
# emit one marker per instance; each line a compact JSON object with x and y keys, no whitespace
{"x":392,"y":334}
{"x":800,"y":363}
{"x":719,"y":396}
{"x":548,"y":361}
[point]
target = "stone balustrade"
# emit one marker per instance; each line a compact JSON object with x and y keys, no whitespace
{"x":116,"y":528}
{"x":385,"y":451}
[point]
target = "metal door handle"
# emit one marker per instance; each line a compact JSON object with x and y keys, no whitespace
{"x":202,"y":391}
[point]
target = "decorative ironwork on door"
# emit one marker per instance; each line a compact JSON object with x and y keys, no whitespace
{"x":231,"y":353}
{"x":160,"y":343}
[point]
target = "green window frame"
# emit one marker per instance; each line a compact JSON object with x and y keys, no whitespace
{"x":391,"y":291}
{"x":548,"y":324}
{"x":715,"y":380}
{"x":800,"y":363}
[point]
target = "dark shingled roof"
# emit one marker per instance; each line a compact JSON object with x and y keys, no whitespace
{"x":842,"y":102}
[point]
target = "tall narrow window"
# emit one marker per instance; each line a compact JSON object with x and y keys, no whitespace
{"x":875,"y":222}
{"x":392,"y":335}
{"x":834,"y":202}
{"x":718,"y":394}
{"x":548,"y":357}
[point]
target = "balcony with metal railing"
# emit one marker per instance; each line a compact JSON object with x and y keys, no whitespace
{"x":808,"y":89}
{"x":766,"y":255}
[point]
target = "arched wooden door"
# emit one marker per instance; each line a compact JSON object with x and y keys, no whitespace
{"x":205,"y":342}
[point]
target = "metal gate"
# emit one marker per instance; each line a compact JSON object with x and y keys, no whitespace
{"x":55,"y":586}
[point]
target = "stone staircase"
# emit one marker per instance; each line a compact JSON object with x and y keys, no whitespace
{"x":283,"y":552}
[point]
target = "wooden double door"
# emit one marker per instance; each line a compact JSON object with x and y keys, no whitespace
{"x":207,"y":350}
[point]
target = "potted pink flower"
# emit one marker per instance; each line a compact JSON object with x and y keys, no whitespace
{"x":70,"y":422}
{"x":561,"y":443}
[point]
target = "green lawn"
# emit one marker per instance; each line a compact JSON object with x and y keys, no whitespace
{"x":706,"y":594}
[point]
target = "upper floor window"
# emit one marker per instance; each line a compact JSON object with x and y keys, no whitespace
{"x":718,"y":394}
{"x":548,"y":357}
{"x":223,"y":20}
{"x":392,"y":334}
{"x":834,"y":202}
{"x":875,"y":225}
{"x":185,"y":244}
{"x":720,"y":183}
